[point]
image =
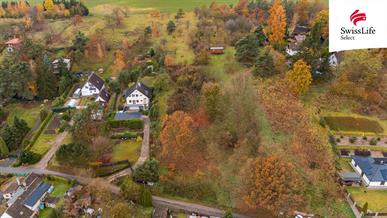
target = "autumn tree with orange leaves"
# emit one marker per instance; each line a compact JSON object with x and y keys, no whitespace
{"x":271,"y":183}
{"x":177,"y":135}
{"x":277,"y":22}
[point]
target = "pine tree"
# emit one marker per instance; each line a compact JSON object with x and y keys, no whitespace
{"x":47,"y":82}
{"x":171,"y":27}
{"x":264,"y":66}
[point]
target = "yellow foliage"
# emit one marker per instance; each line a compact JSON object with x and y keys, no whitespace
{"x":48,"y":5}
{"x":300,"y":77}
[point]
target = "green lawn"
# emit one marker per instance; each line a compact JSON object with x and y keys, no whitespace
{"x":221,"y":66}
{"x":29,"y":113}
{"x":377,"y":199}
{"x":126,"y":150}
{"x":42,"y":145}
{"x":46,"y":213}
{"x":59,"y":189}
{"x":348,"y":123}
{"x":344,"y":163}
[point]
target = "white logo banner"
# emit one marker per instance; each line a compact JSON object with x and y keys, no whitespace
{"x":357,"y":24}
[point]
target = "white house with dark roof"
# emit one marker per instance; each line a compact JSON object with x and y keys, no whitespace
{"x":103,"y":97}
{"x":93,"y":86}
{"x":65,"y":61}
{"x":373,"y":171}
{"x":138,"y":97}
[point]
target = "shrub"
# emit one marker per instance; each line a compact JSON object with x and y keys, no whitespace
{"x":29,"y":157}
{"x":373,"y":141}
{"x":125,"y":135}
{"x":73,"y":153}
{"x":148,"y":172}
{"x":362,"y":153}
{"x":145,"y":197}
{"x":341,"y":137}
{"x":43,"y":113}
{"x":352,"y":139}
{"x":344,"y":152}
{"x":41,"y":128}
{"x":378,"y":139}
{"x":323,"y":122}
{"x":364,"y":137}
{"x":338,"y":140}
{"x":130,"y":190}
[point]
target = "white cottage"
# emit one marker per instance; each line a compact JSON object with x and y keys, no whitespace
{"x":93,"y":86}
{"x":65,"y":61}
{"x":138,"y":97}
{"x":373,"y":171}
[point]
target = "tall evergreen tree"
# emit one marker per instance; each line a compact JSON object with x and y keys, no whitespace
{"x":46,"y":81}
{"x":264,"y":66}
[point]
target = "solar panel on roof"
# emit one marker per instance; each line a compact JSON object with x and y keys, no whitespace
{"x":127,"y":116}
{"x":36,"y":194}
{"x":384,"y":174}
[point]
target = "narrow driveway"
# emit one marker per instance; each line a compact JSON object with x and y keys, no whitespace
{"x":42,"y":164}
{"x":144,"y":155}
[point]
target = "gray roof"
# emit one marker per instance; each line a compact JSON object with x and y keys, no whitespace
{"x":127,"y":115}
{"x":350,"y":177}
{"x":104,"y":94}
{"x":96,"y":81}
{"x":374,"y":168}
{"x":18,"y":209}
{"x":141,"y":88}
{"x":300,"y":30}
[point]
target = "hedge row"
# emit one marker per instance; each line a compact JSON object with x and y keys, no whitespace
{"x":40,"y":130}
{"x":130,"y":124}
{"x":109,"y":170}
{"x":61,"y":109}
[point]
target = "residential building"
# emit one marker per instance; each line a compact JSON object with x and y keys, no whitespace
{"x":27,"y":199}
{"x":103,"y":97}
{"x":295,"y":40}
{"x":138,"y":97}
{"x":13,"y":44}
{"x":93,"y":86}
{"x":65,"y":61}
{"x":373,"y":171}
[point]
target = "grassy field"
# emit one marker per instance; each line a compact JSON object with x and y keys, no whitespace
{"x":162,"y":5}
{"x":126,"y":150}
{"x":377,"y":199}
{"x":43,"y":144}
{"x":29,"y":113}
{"x":347,"y":123}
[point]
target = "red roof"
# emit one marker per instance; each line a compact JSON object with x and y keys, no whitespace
{"x":13,"y":41}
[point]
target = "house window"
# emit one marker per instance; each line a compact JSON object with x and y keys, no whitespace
{"x":362,"y":174}
{"x":382,"y":182}
{"x":130,"y":101}
{"x":137,"y":101}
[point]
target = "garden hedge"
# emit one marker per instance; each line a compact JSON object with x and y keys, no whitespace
{"x":130,"y":124}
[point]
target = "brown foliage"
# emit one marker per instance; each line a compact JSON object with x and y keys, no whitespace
{"x":281,"y":106}
{"x":272,"y":183}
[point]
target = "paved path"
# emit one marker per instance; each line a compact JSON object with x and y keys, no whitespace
{"x":190,"y":207}
{"x":42,"y":164}
{"x":144,"y":155}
